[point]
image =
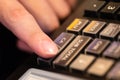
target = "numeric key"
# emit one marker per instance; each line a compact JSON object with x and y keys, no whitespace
{"x":109,"y":10}
{"x":93,"y":8}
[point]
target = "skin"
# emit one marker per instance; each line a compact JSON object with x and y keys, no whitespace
{"x":30,"y":20}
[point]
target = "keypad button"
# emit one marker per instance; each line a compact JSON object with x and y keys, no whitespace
{"x":109,"y":10}
{"x":97,"y":46}
{"x":114,"y":74}
{"x":100,"y":67}
{"x":81,"y":63}
{"x":94,"y":28}
{"x":77,"y":45}
{"x":113,"y":50}
{"x":77,"y":25}
{"x":44,"y":62}
{"x":93,"y":8}
{"x":63,"y":40}
{"x":111,"y":31}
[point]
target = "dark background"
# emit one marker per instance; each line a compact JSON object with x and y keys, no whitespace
{"x":10,"y":56}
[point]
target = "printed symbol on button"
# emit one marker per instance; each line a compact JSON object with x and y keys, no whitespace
{"x":78,"y":43}
{"x":98,"y":44}
{"x":62,"y":40}
{"x":111,"y":7}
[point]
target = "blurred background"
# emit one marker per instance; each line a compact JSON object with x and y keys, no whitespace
{"x":10,"y":56}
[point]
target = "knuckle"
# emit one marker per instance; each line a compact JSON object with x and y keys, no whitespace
{"x":54,"y":25}
{"x":64,"y":13}
{"x":49,"y":26}
{"x":16,"y":15}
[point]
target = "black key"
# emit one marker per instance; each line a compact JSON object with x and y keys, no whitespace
{"x":118,"y":15}
{"x":97,"y":46}
{"x":93,"y":8}
{"x":65,"y":58}
{"x":116,"y":0}
{"x":77,"y":25}
{"x":62,"y":41}
{"x":114,"y":74}
{"x":101,"y":67}
{"x":94,"y":28}
{"x":81,"y":63}
{"x":43,"y":62}
{"x":113,"y":50}
{"x":111,"y":31}
{"x":109,"y":10}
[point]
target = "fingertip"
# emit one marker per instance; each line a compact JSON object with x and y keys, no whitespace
{"x":47,"y":49}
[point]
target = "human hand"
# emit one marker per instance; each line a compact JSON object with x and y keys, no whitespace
{"x":29,"y":19}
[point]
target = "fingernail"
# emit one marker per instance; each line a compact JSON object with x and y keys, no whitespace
{"x":49,"y":48}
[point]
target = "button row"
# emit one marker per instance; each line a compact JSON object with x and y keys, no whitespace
{"x":103,"y":9}
{"x":95,"y":29}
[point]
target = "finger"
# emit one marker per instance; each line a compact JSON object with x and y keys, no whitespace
{"x":72,"y":3}
{"x":23,"y":46}
{"x":61,"y":8}
{"x":14,"y":16}
{"x":43,"y":13}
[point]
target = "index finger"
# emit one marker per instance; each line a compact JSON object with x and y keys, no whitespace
{"x":15,"y":17}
